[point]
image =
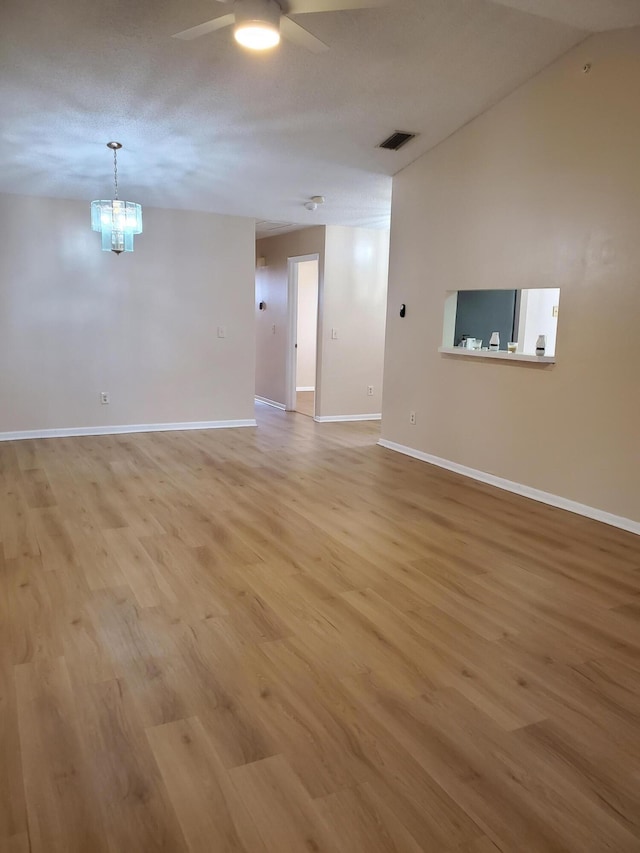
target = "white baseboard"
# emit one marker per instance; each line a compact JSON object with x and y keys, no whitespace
{"x":334,"y":419}
{"x":269,"y":402}
{"x":306,"y":388}
{"x":65,"y":432}
{"x":518,"y":488}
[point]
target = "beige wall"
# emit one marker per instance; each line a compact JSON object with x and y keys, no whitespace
{"x":307,"y":325}
{"x":353,"y":273}
{"x":271,"y":287}
{"x":356,"y":269}
{"x":542,"y":190}
{"x":75,"y":321}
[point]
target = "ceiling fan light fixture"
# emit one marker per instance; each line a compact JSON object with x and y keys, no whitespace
{"x":257,"y":35}
{"x":257,"y":23}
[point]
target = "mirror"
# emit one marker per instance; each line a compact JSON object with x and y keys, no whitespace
{"x":519,"y":317}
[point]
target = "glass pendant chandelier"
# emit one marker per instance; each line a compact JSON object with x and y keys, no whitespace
{"x":117,"y":220}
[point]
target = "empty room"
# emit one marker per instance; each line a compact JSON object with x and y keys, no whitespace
{"x":320,"y":426}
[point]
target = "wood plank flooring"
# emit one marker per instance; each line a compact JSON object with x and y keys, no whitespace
{"x":306,"y":403}
{"x":289,"y":639}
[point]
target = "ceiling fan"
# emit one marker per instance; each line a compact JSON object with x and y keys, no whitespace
{"x":258,"y":24}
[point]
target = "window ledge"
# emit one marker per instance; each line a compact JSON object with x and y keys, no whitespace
{"x":500,"y":354}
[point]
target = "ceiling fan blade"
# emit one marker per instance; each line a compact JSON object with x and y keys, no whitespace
{"x":298,"y":35}
{"x":302,"y":7}
{"x":204,"y":29}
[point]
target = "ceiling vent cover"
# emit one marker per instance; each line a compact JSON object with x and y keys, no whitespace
{"x":397,"y":139}
{"x":266,"y":225}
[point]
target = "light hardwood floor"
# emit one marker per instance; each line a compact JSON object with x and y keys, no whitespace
{"x":289,"y":639}
{"x":305,"y":403}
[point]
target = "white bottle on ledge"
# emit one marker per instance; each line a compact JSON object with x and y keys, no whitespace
{"x":494,"y":341}
{"x":541,"y":344}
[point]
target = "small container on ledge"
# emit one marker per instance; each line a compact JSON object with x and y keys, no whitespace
{"x":541,"y":344}
{"x":494,"y":342}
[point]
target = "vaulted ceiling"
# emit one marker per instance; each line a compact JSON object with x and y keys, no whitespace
{"x":208,"y":126}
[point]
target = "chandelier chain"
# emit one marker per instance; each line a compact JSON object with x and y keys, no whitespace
{"x":115,"y":171}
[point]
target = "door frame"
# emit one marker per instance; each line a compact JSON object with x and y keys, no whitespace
{"x":292,"y":329}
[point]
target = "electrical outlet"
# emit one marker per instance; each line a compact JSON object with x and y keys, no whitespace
{"x":369,"y":390}
{"x":222,"y":332}
{"x":334,"y":334}
{"x":554,"y":312}
{"x":104,"y":398}
{"x":412,"y":418}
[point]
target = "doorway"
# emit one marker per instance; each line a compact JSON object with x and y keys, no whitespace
{"x":303,"y":334}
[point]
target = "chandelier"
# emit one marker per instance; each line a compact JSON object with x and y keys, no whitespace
{"x":117,"y":220}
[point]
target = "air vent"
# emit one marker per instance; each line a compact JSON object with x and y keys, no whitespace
{"x":397,"y":139}
{"x":266,"y":225}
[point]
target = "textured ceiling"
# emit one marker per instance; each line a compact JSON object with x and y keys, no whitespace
{"x":208,"y":126}
{"x":592,"y":15}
